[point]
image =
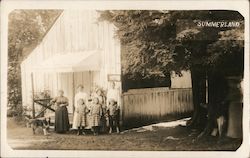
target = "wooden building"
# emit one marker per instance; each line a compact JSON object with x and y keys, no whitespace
{"x":78,"y":49}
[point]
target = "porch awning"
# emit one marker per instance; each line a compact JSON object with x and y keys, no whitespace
{"x":70,"y":62}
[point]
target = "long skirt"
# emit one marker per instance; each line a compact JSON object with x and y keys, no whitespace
{"x":75,"y":122}
{"x":104,"y":123}
{"x":61,"y":120}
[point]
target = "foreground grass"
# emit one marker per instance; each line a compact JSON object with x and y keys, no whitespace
{"x":160,"y":139}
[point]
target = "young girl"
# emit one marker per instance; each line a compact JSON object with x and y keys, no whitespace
{"x":79,"y":95}
{"x":80,"y":115}
{"x":96,"y":113}
{"x":103,"y":120}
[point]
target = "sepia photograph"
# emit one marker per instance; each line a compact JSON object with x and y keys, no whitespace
{"x":113,"y":79}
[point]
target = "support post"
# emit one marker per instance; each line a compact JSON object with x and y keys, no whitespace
{"x":33,"y":95}
{"x":73,"y":99}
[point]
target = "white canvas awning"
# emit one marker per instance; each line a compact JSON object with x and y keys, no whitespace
{"x":70,"y":62}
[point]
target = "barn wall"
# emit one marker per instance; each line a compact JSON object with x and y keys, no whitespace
{"x":183,"y":81}
{"x":144,"y":106}
{"x":75,"y":31}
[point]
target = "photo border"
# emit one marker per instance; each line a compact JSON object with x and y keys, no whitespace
{"x":8,"y":6}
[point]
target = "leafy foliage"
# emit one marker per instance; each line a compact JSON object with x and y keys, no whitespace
{"x":164,"y":41}
{"x":26,"y":29}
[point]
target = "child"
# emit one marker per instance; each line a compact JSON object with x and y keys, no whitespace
{"x":96,"y":113}
{"x":101,"y":99}
{"x":81,"y":111}
{"x":113,"y":112}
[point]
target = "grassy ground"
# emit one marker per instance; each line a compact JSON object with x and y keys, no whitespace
{"x":168,"y":139}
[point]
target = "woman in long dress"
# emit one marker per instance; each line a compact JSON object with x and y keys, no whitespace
{"x":79,"y":95}
{"x":61,"y":113}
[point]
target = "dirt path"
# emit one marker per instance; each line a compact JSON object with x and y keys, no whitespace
{"x":170,"y":139}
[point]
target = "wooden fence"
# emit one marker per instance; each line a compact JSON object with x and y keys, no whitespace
{"x":144,"y":106}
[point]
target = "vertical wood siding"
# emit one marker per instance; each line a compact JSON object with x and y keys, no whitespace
{"x":75,"y":31}
{"x":155,"y":104}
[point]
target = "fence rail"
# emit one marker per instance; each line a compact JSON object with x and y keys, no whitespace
{"x":155,"y":104}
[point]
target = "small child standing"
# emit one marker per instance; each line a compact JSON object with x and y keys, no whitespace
{"x":96,"y":113}
{"x":81,"y":111}
{"x":113,"y":114}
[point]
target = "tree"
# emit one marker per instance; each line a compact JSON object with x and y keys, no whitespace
{"x":25,"y":31}
{"x":168,"y":41}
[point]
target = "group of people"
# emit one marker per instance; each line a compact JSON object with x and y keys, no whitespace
{"x":96,"y":111}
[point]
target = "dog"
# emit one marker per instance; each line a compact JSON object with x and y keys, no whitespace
{"x":221,"y":123}
{"x":39,"y":122}
{"x":220,"y":119}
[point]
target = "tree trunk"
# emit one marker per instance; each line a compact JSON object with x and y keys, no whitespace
{"x":215,"y":99}
{"x":198,"y":119}
{"x":217,"y":103}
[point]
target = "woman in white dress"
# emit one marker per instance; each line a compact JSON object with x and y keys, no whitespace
{"x":79,"y":95}
{"x":113,"y":94}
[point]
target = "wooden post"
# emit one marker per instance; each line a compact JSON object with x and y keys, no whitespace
{"x":121,"y":104}
{"x":91,"y":81}
{"x":73,"y":78}
{"x":33,"y":95}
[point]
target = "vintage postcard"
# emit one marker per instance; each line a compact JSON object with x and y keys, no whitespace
{"x":125,"y":79}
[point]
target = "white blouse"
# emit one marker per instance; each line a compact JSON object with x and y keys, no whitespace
{"x":113,"y":94}
{"x":81,"y":95}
